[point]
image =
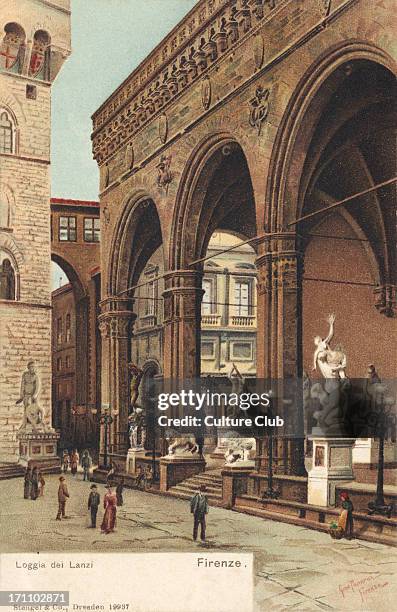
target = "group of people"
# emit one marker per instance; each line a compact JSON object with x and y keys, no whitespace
{"x":111,"y":500}
{"x":73,"y":461}
{"x":33,"y":483}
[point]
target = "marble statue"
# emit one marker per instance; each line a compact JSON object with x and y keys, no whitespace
{"x":331,"y":363}
{"x":181,"y":445}
{"x":137,"y":428}
{"x":330,"y":394}
{"x":33,"y":416}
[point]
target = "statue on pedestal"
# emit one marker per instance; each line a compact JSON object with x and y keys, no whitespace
{"x":136,"y":419}
{"x":137,"y":429}
{"x":331,"y":394}
{"x":33,"y":416}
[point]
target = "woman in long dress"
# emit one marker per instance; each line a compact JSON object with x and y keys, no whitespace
{"x":34,"y":484}
{"x":26,"y":483}
{"x":74,"y":462}
{"x":109,"y":503}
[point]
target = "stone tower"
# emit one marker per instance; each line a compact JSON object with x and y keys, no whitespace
{"x":34,"y":43}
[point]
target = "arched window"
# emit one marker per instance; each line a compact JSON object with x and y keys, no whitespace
{"x":6,"y":208}
{"x":7,"y":278}
{"x":7,"y":132}
{"x":12,"y":49}
{"x":39,"y":59}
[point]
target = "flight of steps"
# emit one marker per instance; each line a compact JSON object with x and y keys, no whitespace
{"x":11,"y":470}
{"x":211,"y":479}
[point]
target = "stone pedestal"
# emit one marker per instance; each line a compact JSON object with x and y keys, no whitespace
{"x":234,"y":482}
{"x":39,"y":448}
{"x":132,"y":460}
{"x":176,"y":468}
{"x":331,"y":465}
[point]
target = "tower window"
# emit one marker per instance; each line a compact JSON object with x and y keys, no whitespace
{"x":6,"y":132}
{"x":7,"y":280}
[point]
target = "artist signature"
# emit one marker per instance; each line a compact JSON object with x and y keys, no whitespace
{"x":363,"y":586}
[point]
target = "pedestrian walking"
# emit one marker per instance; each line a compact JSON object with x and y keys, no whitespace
{"x":41,"y":484}
{"x":346,"y":516}
{"x":34,"y":484}
{"x":65,"y":461}
{"x":63,"y":495}
{"x":74,"y":462}
{"x":26,"y":483}
{"x":199,"y":509}
{"x":119,"y":492}
{"x":93,"y":504}
{"x":109,"y":519}
{"x":86,"y":463}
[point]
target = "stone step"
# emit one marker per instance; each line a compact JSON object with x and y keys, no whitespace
{"x":193,"y":486}
{"x":11,"y":471}
{"x":204,"y":478}
{"x":184,"y":494}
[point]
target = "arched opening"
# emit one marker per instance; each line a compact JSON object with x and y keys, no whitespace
{"x":72,"y":414}
{"x":8,"y":277}
{"x":218,"y":214}
{"x":137,"y":262}
{"x":332,"y":193}
{"x":6,"y":207}
{"x":8,"y":132}
{"x":349,"y":251}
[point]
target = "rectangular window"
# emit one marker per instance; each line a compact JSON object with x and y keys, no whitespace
{"x":59,"y":364}
{"x":242,"y":351}
{"x":68,"y":328}
{"x":208,"y":305}
{"x":67,"y":229}
{"x":92,"y":232}
{"x":68,"y":362}
{"x":59,"y":330}
{"x":150,"y":302}
{"x":208,"y":350}
{"x":242,"y":298}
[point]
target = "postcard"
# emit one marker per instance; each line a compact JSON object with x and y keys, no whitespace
{"x":198,"y":305}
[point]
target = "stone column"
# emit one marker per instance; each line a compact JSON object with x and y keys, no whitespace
{"x":279,"y":334}
{"x":116,"y":322}
{"x":182,"y":310}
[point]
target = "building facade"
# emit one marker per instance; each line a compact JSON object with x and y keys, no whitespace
{"x":35,"y":41}
{"x":76,"y":344}
{"x":261,"y":119}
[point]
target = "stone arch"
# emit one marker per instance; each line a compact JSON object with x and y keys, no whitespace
{"x":7,"y":243}
{"x":190,"y":231}
{"x":128,"y":239}
{"x":293,"y":166}
{"x":81,"y":307}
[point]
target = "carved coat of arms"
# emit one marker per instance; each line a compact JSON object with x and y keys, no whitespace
{"x":259,"y":108}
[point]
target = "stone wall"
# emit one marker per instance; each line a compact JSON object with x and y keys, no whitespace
{"x":24,"y":175}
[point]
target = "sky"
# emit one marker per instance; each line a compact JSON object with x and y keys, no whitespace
{"x":109,"y":39}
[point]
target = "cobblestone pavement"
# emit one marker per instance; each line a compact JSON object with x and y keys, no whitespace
{"x":295,"y":568}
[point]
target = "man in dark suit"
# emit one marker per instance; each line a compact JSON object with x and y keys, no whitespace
{"x":199,"y":508}
{"x":93,"y":504}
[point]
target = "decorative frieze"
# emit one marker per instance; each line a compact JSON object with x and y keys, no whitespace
{"x":201,"y":39}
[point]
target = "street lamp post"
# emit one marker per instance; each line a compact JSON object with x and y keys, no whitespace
{"x":382,"y":404}
{"x":270,"y":492}
{"x":106,"y":420}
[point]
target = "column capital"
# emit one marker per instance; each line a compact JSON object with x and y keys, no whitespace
{"x":116,"y":320}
